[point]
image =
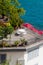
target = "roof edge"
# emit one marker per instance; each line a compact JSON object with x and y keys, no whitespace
{"x":22,"y":49}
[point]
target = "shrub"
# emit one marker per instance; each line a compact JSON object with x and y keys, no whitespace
{"x":23,"y":42}
{"x":16,"y":43}
{"x":4,"y":31}
{"x":1,"y":31}
{"x":5,"y":63}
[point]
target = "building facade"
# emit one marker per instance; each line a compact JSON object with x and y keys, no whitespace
{"x":30,"y":55}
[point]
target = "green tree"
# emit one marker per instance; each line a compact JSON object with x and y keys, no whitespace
{"x":11,"y":9}
{"x":1,"y":31}
{"x":4,"y":31}
{"x":7,"y":30}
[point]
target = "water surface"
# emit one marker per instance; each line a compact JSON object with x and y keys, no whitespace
{"x":34,"y":12}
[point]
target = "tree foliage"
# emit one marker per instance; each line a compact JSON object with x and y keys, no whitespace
{"x":4,"y":31}
{"x":11,"y":9}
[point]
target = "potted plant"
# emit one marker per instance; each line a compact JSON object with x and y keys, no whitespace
{"x":5,"y":44}
{"x":23,"y":42}
{"x":16,"y":43}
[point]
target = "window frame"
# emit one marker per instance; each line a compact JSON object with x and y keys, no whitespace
{"x":2,"y":58}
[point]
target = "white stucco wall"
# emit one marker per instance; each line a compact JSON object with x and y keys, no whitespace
{"x":25,"y":58}
{"x":41,"y":55}
{"x":35,"y":57}
{"x":14,"y":56}
{"x":32,"y":57}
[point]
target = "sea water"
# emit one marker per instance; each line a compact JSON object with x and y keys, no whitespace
{"x":34,"y":12}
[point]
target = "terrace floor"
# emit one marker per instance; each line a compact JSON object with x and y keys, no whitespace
{"x":31,"y":37}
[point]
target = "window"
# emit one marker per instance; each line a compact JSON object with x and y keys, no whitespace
{"x":2,"y":58}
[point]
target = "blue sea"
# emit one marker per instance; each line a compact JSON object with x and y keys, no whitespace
{"x":34,"y":12}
